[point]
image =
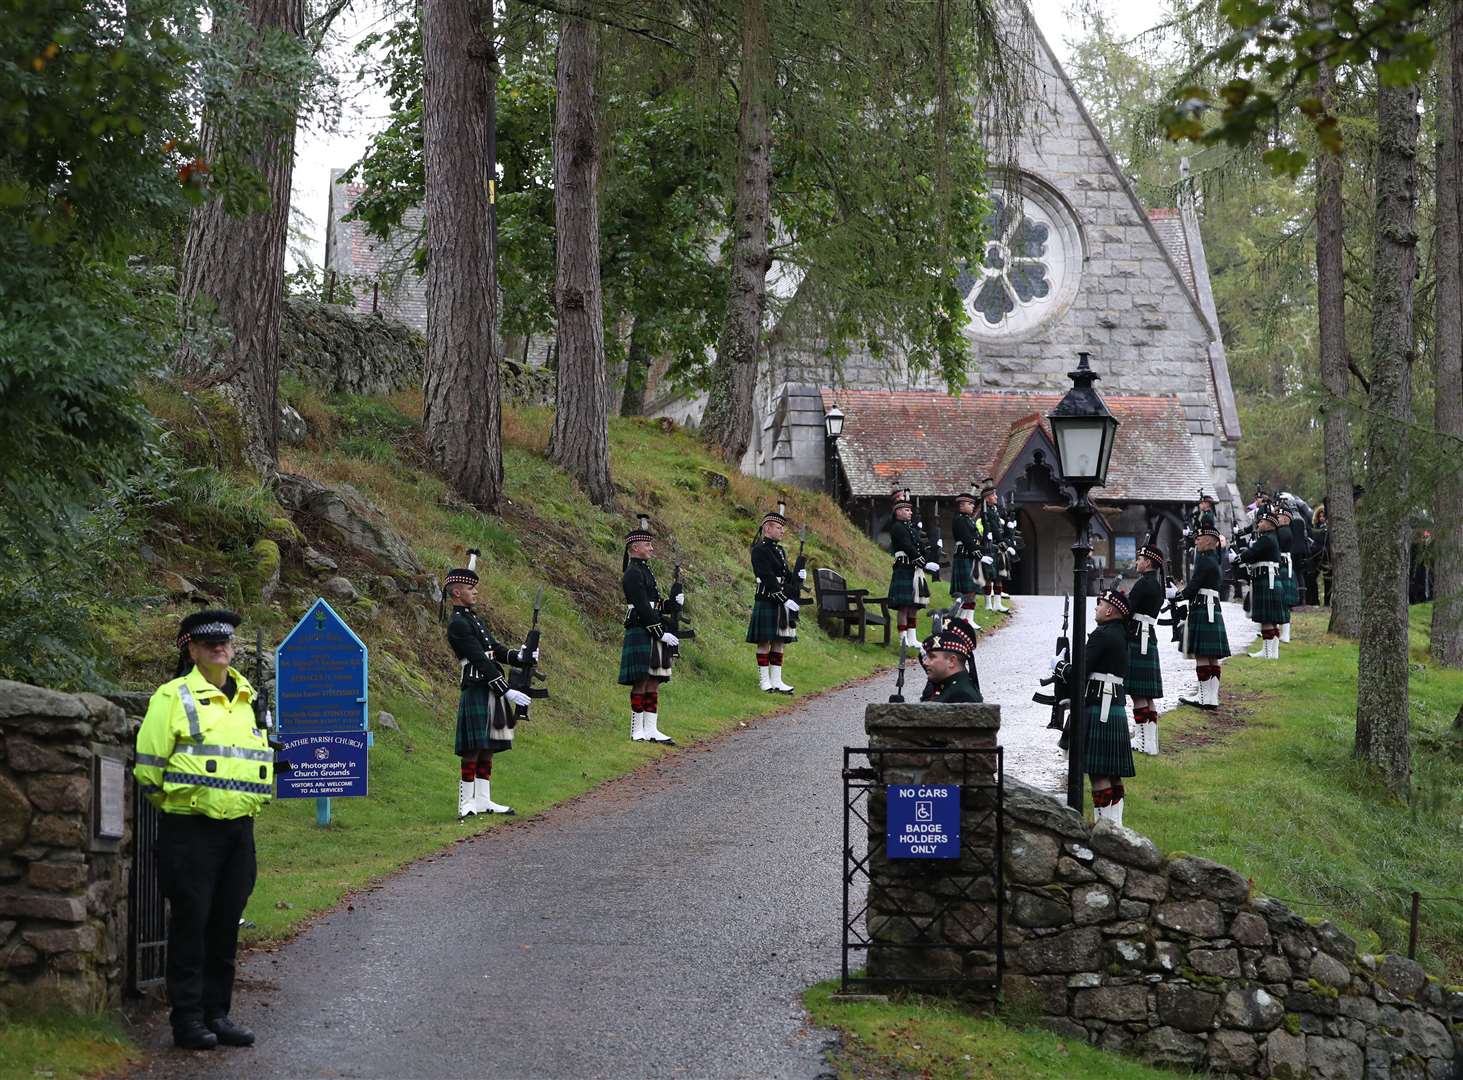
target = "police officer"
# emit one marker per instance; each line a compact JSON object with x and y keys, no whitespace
{"x":205,"y":762}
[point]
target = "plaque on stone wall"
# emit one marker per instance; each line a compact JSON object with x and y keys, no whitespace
{"x":109,"y":797}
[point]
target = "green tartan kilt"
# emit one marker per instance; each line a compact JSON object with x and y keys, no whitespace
{"x":1291,"y":586}
{"x":768,"y":623}
{"x":962,"y":576}
{"x":482,"y":719}
{"x":642,"y":657}
{"x":1145,"y":675}
{"x":1108,"y":751}
{"x":901,"y":587}
{"x":1267,"y":605}
{"x":1202,"y":638}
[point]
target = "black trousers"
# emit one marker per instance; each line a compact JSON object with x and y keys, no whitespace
{"x":206,"y":868}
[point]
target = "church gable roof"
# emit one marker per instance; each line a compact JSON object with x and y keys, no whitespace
{"x":937,"y":443}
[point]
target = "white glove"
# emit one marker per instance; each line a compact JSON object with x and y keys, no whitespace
{"x":988,"y":560}
{"x":1186,"y":532}
{"x":680,"y":599}
{"x":1011,"y":552}
{"x":524,"y":656}
{"x":1010,"y":524}
{"x":517,"y":697}
{"x":932,"y":566}
{"x":802,"y":575}
{"x":940,"y":543}
{"x":1057,"y":660}
{"x":1170,"y":592}
{"x":669,"y":639}
{"x":791,"y":605}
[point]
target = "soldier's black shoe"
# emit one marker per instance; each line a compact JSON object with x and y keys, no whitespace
{"x":193,"y":1035}
{"x":230,"y":1033}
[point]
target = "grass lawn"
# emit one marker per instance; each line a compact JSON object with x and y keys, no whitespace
{"x":934,"y":1040}
{"x":58,"y":1046}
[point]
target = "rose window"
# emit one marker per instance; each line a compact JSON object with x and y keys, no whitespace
{"x":1024,"y":271}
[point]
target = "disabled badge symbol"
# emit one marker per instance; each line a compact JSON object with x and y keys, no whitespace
{"x":924,"y":811}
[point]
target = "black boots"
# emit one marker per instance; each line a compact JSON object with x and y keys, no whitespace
{"x":193,"y":1035}
{"x":230,"y":1033}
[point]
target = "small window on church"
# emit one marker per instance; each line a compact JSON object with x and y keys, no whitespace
{"x":1030,"y":268}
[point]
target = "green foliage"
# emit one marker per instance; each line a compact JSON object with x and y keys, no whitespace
{"x":63,"y":1045}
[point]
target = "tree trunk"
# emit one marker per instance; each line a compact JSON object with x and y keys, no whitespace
{"x":580,"y":441}
{"x":1382,"y":693}
{"x":1447,"y":545}
{"x":1331,"y":309}
{"x":637,"y":373}
{"x":233,"y":268}
{"x":727,"y":425}
{"x":462,"y":411}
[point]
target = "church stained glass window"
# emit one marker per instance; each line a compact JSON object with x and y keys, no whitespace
{"x":1025,"y":267}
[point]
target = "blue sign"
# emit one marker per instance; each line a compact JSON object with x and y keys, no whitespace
{"x":320,"y":676}
{"x":324,"y":766}
{"x":923,"y":821}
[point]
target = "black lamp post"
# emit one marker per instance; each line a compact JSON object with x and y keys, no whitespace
{"x":1083,"y":431}
{"x":833,"y":428}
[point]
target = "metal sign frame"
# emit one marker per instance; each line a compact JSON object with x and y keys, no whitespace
{"x":982,"y":775}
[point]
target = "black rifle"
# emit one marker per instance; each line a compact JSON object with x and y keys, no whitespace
{"x":521,"y":676}
{"x":672,"y":613}
{"x":1057,"y":699}
{"x":797,"y":573}
{"x":266,"y":722}
{"x":1177,"y":610}
{"x":897,"y":697}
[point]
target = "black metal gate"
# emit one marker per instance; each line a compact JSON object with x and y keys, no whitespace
{"x":930,"y":896}
{"x":147,"y":932}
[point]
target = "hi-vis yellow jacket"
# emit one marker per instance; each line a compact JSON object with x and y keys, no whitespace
{"x":200,"y":753}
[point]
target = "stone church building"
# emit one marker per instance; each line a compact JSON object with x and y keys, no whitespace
{"x":1074,"y":263}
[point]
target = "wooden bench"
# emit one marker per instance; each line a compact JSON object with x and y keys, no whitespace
{"x":845,"y":608}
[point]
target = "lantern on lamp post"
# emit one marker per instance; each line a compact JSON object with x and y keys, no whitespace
{"x":1083,"y":431}
{"x":832,"y":428}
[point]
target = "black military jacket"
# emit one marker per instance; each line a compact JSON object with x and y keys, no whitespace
{"x":642,"y":598}
{"x":994,"y":522}
{"x":958,"y":689}
{"x":1263,"y":549}
{"x":904,"y":540}
{"x":1107,"y":654}
{"x":471,"y":641}
{"x":774,"y":576}
{"x":967,"y":540}
{"x":1205,"y":575}
{"x":1146,"y":597}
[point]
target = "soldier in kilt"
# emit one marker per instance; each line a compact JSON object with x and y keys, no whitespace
{"x":1285,"y":536}
{"x":909,"y":589}
{"x":995,"y":560}
{"x":649,"y":648}
{"x":1108,"y":753}
{"x":1267,"y":591}
{"x":1145,"y":676}
{"x":1205,"y":639}
{"x":966,"y":580}
{"x":772,"y":625}
{"x":486,"y":717}
{"x":948,"y":661}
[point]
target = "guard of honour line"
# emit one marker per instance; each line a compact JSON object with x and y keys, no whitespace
{"x":205,"y":760}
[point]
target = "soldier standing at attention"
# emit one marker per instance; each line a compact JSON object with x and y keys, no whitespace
{"x":485,"y":720}
{"x":772,"y":608}
{"x":1286,"y":538}
{"x":649,"y":649}
{"x":1145,"y":676}
{"x":1109,"y":754}
{"x":205,"y":762}
{"x":947,"y":663}
{"x":1205,"y":639}
{"x":909,"y":589}
{"x":1267,"y":592}
{"x":995,"y":557}
{"x":965,"y":579}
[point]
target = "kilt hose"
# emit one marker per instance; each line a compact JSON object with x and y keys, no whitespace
{"x":1145,"y":675}
{"x":769,"y":623}
{"x":643,"y":657}
{"x":963,"y":578}
{"x":482,"y":722}
{"x":1108,"y":751}
{"x":1204,"y":639}
{"x":1267,"y":605}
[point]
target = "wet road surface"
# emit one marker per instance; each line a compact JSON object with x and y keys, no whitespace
{"x":664,"y":925}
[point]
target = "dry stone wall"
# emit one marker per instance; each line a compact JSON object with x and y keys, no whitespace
{"x":63,"y":894}
{"x":1175,"y":960}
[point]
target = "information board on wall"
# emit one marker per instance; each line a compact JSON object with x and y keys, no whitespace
{"x":321,"y":708}
{"x":923,"y":821}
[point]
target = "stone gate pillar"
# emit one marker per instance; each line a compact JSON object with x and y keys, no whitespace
{"x":936,"y":918}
